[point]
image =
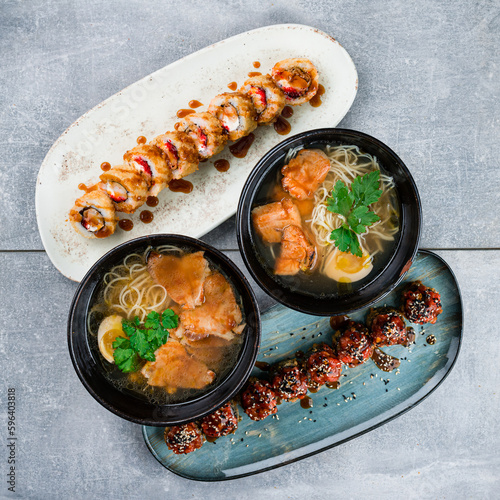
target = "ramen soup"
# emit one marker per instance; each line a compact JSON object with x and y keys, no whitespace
{"x":308,"y":208}
{"x":166,"y":324}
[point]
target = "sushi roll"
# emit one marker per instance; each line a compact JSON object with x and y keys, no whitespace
{"x":150,"y":162}
{"x":297,"y":78}
{"x":94,"y":215}
{"x":180,"y":153}
{"x":268,"y":99}
{"x":236,"y":112}
{"x":126,"y":187}
{"x":207,"y":132}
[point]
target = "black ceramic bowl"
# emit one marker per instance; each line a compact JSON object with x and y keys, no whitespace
{"x":126,"y":404}
{"x":403,"y":251}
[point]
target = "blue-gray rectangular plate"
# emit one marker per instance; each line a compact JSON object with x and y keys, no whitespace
{"x":337,"y":415}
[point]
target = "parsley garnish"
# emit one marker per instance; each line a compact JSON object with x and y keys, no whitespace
{"x":142,"y":340}
{"x":352,"y":205}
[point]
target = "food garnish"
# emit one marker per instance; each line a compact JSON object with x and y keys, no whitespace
{"x":352,"y":205}
{"x":143,"y":339}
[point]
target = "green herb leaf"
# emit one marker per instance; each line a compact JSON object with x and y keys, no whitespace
{"x":143,"y":340}
{"x":353,"y":206}
{"x":360,"y":218}
{"x":169,"y":319}
{"x":340,"y":200}
{"x":126,"y":359}
{"x":366,"y":189}
{"x":345,"y":240}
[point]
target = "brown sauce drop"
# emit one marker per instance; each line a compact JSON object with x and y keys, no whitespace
{"x":180,"y":186}
{"x":232,"y":86}
{"x":287,"y":112}
{"x":240,"y":148}
{"x":184,"y":112}
{"x":152,"y":201}
{"x":333,"y":385}
{"x":211,"y":439}
{"x":306,"y":402}
{"x":105,"y":166}
{"x":384,"y":361}
{"x":282,"y":126}
{"x":126,"y":224}
{"x":316,"y":100}
{"x":338,"y":322}
{"x":146,"y":216}
{"x":104,"y":232}
{"x":299,"y":354}
{"x":254,"y":73}
{"x":195,"y":104}
{"x":256,"y":64}
{"x":141,"y":140}
{"x":314,"y":390}
{"x":222,"y":165}
{"x":262,"y":365}
{"x":88,"y":189}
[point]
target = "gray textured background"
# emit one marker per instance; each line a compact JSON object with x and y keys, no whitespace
{"x":428,"y":87}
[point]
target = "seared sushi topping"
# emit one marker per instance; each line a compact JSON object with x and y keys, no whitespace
{"x":116,"y":191}
{"x":92,"y":219}
{"x":258,"y":96}
{"x":294,"y":82}
{"x":172,"y":154}
{"x":144,"y":165}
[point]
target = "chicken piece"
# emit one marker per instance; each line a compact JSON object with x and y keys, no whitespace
{"x":304,"y":173}
{"x":182,"y":277}
{"x":270,"y":220}
{"x":175,"y":369}
{"x":296,"y":253}
{"x":211,"y":350}
{"x":219,"y":315}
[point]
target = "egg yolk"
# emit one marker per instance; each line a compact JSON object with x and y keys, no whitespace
{"x":349,"y":263}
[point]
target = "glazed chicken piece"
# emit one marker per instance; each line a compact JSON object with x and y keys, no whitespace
{"x":304,"y":173}
{"x":182,"y":277}
{"x":296,"y":253}
{"x":219,"y":314}
{"x":211,"y":350}
{"x":270,"y":220}
{"x":175,"y":369}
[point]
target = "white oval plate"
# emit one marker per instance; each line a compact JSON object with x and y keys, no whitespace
{"x":149,"y":107}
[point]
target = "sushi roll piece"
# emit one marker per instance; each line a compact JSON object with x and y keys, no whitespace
{"x":180,"y":153}
{"x":268,"y":99}
{"x":150,"y":162}
{"x":236,"y":112}
{"x":126,"y":187}
{"x":94,"y":215}
{"x":207,"y":132}
{"x":297,"y":78}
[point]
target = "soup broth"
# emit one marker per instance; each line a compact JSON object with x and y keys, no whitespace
{"x":378,"y":243}
{"x":129,"y":290}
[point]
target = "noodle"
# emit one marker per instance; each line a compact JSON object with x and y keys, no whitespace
{"x":130,"y":289}
{"x":348,"y":162}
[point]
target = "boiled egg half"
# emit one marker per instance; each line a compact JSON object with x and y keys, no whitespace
{"x":347,"y":268}
{"x":109,"y":330}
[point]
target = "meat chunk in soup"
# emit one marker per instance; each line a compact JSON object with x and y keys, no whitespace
{"x":219,"y":315}
{"x":270,"y":220}
{"x":296,"y":253}
{"x":175,"y":369}
{"x":182,"y":277}
{"x":304,"y":173}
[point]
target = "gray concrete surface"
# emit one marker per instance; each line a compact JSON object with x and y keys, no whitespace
{"x":428,"y":87}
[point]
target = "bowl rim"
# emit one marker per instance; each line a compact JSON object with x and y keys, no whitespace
{"x":243,"y":214}
{"x":252,"y":344}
